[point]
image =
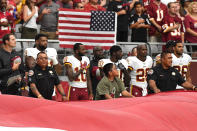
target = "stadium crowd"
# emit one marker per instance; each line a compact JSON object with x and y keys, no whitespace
{"x":101,"y":78}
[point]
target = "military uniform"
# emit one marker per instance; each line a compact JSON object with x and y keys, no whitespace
{"x":44,"y":81}
{"x":113,"y":88}
{"x":165,"y":79}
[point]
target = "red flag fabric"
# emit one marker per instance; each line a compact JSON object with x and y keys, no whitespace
{"x":95,"y":28}
{"x":169,"y":111}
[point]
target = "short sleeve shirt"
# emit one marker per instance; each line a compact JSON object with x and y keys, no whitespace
{"x":113,"y":88}
{"x":166,"y":79}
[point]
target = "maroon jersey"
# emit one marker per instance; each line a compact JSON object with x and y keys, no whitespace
{"x":192,"y":24}
{"x":157,"y":12}
{"x":175,"y":34}
{"x":4,"y":17}
{"x":146,"y":3}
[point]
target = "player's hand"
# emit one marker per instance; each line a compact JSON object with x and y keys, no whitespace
{"x":157,"y":90}
{"x":15,"y":66}
{"x":91,"y":96}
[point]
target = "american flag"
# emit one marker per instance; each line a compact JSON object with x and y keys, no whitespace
{"x":95,"y":28}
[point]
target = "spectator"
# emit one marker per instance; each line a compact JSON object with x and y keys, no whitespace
{"x":184,"y":6}
{"x":48,"y":17}
{"x":172,"y":25}
{"x":156,"y":10}
{"x":78,"y":6}
{"x":11,"y":67}
{"x":181,"y":62}
{"x":93,"y":5}
{"x":121,"y":64}
{"x":110,"y":86}
{"x":42,"y":79}
{"x":30,"y":14}
{"x":94,"y":69}
{"x":163,"y":77}
{"x":139,"y":23}
{"x":65,"y":4}
{"x":41,"y":41}
{"x":77,"y":70}
{"x":178,"y":11}
{"x":191,"y":27}
{"x":6,"y":20}
{"x":123,"y":13}
{"x":138,"y":68}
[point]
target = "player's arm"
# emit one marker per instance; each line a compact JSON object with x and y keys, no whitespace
{"x":61,"y":91}
{"x":89,"y":84}
{"x":127,"y":77}
{"x":71,"y":75}
{"x":188,"y":76}
{"x":58,"y":68}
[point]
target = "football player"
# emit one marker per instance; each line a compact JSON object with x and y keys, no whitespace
{"x":138,"y":68}
{"x":121,"y":64}
{"x":77,"y":70}
{"x":181,"y":62}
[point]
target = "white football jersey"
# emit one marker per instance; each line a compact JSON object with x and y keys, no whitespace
{"x":81,"y":80}
{"x":51,"y":53}
{"x":103,"y":62}
{"x":139,"y":70}
{"x":181,"y":64}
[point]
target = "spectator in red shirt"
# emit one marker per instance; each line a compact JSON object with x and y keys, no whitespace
{"x":6,"y":20}
{"x":156,"y":10}
{"x":172,"y":25}
{"x":191,"y":27}
{"x":93,"y":6}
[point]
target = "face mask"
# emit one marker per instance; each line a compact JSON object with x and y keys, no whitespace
{"x":42,"y":48}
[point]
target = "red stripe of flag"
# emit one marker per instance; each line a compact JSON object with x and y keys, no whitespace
{"x":87,"y":40}
{"x":74,"y":22}
{"x":74,"y":28}
{"x":85,"y":34}
{"x":75,"y":16}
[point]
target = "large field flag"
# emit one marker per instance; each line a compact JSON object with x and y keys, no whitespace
{"x":95,"y":28}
